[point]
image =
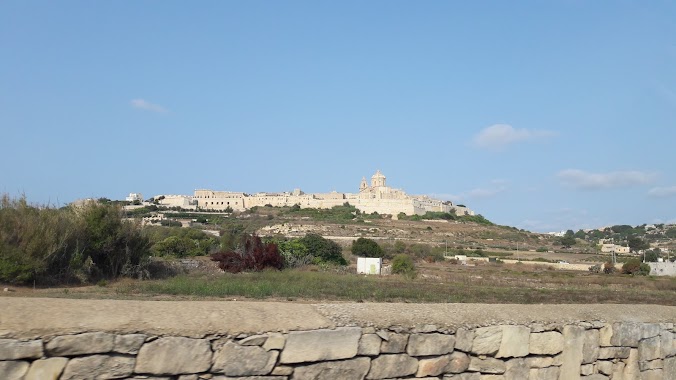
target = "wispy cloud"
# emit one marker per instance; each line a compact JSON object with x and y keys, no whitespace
{"x":662,"y":192}
{"x":146,"y":105}
{"x":499,"y":136}
{"x":496,"y":187}
{"x":583,"y":180}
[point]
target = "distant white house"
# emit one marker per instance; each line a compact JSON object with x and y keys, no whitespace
{"x":132,"y":197}
{"x":609,"y":248}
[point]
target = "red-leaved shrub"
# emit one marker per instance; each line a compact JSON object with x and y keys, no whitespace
{"x":251,"y":255}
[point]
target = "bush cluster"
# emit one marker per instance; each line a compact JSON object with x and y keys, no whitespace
{"x":180,"y":242}
{"x":70,"y":244}
{"x":366,"y":248}
{"x":403,"y":264}
{"x":252,"y":254}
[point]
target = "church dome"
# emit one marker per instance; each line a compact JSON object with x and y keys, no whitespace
{"x":378,"y":175}
{"x":378,"y":179}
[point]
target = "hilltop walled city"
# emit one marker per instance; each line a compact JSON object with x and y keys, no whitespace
{"x":378,"y":197}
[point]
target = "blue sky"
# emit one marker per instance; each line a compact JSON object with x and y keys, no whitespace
{"x":541,"y":115}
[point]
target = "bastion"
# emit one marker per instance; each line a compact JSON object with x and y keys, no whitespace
{"x":43,"y":338}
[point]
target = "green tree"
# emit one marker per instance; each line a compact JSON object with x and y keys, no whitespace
{"x":635,"y":267}
{"x":652,"y":255}
{"x":637,"y":244}
{"x":366,"y":248}
{"x":110,"y":242}
{"x":622,"y":229}
{"x":568,"y":240}
{"x":323,"y":250}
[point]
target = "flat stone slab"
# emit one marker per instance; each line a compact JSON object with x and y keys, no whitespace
{"x":11,"y":349}
{"x":174,"y":356}
{"x":320,"y":345}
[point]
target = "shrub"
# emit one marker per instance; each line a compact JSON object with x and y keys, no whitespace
{"x":251,"y":255}
{"x":635,"y":267}
{"x":434,"y":257}
{"x":477,"y":253}
{"x":170,"y":223}
{"x":323,"y":250}
{"x":420,"y":250}
{"x":366,"y":248}
{"x":295,"y":253}
{"x":403,"y":264}
{"x":595,"y":268}
{"x":609,"y":268}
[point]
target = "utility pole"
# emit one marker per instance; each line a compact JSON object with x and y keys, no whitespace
{"x":613,"y":252}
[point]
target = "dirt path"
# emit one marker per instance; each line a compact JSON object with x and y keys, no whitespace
{"x":32,"y":317}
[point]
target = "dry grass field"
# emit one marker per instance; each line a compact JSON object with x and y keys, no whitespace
{"x":435,"y":283}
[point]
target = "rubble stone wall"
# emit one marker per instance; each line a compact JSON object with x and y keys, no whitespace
{"x":582,"y":350}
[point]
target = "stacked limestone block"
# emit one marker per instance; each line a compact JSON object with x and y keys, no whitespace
{"x":596,"y":350}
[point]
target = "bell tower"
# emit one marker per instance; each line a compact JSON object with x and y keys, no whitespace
{"x":363,"y":185}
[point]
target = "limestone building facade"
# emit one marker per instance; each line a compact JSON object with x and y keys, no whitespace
{"x":376,"y":197}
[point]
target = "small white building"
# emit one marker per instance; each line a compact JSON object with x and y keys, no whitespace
{"x":369,"y":265}
{"x":134,"y":197}
{"x":663,"y":269}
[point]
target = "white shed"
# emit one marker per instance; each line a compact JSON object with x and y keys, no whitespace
{"x":369,"y":265}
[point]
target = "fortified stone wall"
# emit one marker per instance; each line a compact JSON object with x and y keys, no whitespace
{"x":376,"y":198}
{"x":582,"y":349}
